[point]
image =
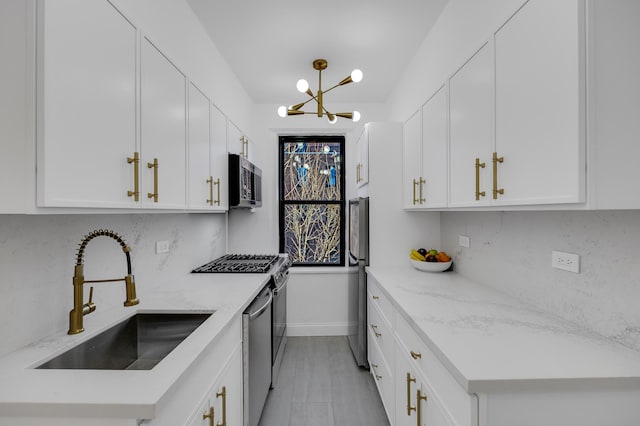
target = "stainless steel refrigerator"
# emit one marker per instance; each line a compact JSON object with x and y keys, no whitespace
{"x":359,"y":256}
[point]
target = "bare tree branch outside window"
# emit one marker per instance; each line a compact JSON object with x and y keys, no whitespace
{"x":312,"y":199}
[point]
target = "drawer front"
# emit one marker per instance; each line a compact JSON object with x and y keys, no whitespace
{"x":382,"y":376}
{"x":380,"y":331}
{"x":380,"y":300}
{"x":456,"y":401}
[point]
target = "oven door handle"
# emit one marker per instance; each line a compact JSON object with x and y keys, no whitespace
{"x":282,"y":286}
{"x":263,"y":308}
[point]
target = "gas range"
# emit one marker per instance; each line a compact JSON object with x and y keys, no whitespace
{"x":244,"y":263}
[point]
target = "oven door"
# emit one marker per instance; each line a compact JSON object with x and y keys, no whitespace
{"x":279,"y":325}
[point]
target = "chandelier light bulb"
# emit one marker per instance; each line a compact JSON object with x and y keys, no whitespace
{"x":332,"y":119}
{"x":282,"y":111}
{"x":302,"y":85}
{"x":356,"y":76}
{"x":356,"y":116}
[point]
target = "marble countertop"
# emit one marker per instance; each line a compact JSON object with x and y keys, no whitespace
{"x":26,"y":391}
{"x":491,"y":342}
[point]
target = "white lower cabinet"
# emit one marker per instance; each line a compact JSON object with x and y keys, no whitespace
{"x":415,"y":387}
{"x":213,"y":381}
{"x":223,"y":403}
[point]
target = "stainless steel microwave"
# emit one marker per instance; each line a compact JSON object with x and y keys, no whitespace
{"x":245,"y":183}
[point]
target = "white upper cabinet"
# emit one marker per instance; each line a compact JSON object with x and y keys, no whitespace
{"x":87,"y":105}
{"x":540,"y":109}
{"x":471,"y":131}
{"x":199,"y":149}
{"x":362,"y":158}
{"x":425,"y":155}
{"x":412,"y":159}
{"x":162,"y":130}
{"x":219,"y":160}
{"x":207,"y":154}
{"x":238,"y":142}
{"x":433,"y":188}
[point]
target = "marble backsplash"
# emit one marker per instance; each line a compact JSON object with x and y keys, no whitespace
{"x":511,"y":251}
{"x":37,"y":255}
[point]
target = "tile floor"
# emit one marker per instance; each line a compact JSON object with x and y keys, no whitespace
{"x":321,"y":385}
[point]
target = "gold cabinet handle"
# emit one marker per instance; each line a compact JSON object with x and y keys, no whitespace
{"x":154,"y":166}
{"x":422,"y":181}
{"x":217,"y":183}
{"x":375,"y":330}
{"x":375,"y":371}
{"x":419,"y":397}
{"x":223,"y":394}
{"x":136,"y":176}
{"x":210,"y":182}
{"x":358,"y":173}
{"x":496,"y":160}
{"x":415,"y":355}
{"x":376,"y":297}
{"x":415,"y":183}
{"x":209,"y":415}
{"x":478,"y":166}
{"x":409,"y":381}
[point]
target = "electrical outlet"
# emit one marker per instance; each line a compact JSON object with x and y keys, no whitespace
{"x":463,"y":241}
{"x":162,"y":246}
{"x":566,"y":261}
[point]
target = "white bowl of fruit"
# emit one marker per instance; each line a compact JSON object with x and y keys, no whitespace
{"x":430,"y":260}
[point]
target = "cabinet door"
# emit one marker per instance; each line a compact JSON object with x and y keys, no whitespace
{"x":429,"y":410}
{"x":227,"y":396}
{"x":412,"y":157}
{"x":163,"y":130}
{"x":406,"y":386}
{"x":432,"y":191}
{"x":362,"y":156}
{"x":236,"y":140}
{"x":540,"y":104}
{"x":200,"y":187}
{"x":87,"y":105}
{"x":471,"y":131}
{"x":219,"y":160}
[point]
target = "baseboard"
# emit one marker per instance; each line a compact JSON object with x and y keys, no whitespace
{"x":318,"y":329}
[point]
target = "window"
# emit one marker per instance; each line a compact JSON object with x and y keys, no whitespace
{"x":312,"y":199}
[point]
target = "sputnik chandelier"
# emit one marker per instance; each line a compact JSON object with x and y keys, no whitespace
{"x":303,"y":87}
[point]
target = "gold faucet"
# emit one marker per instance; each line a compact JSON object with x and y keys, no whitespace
{"x":81,"y":309}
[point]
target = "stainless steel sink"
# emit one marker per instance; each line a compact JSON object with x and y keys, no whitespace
{"x":137,"y":343}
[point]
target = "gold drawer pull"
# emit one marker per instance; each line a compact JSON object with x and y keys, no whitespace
{"x":415,"y":355}
{"x":409,"y":381}
{"x":209,"y":415}
{"x":375,"y":330}
{"x":375,"y":371}
{"x":136,"y":176}
{"x":478,"y":166}
{"x":223,"y":394}
{"x":154,"y":194}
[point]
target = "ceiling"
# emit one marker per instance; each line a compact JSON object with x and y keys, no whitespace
{"x":271,"y":44}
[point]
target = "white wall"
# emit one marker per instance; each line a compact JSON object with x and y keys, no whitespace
{"x":37,"y":255}
{"x":511,"y":251}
